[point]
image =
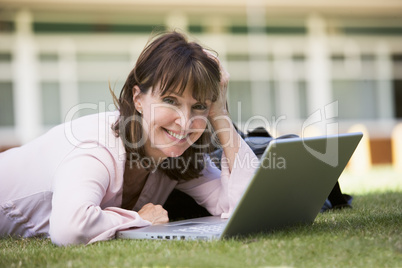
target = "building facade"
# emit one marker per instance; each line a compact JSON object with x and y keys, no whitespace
{"x":302,"y":67}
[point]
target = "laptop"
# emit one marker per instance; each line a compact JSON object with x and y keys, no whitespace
{"x":291,"y":184}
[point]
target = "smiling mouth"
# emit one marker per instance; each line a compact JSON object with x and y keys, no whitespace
{"x":177,"y":136}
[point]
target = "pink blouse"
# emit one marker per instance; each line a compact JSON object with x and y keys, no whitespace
{"x":68,"y":184}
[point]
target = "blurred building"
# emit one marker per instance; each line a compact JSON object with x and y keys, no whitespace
{"x":294,"y":64}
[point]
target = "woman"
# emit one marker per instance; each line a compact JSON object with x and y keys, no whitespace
{"x":88,"y":178}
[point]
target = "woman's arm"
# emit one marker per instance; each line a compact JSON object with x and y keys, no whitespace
{"x":228,"y":137}
{"x":83,"y":181}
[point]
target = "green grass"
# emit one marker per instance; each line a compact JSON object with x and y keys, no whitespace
{"x":369,"y":235}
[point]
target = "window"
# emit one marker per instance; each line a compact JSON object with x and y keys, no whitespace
{"x":6,"y":104}
{"x":357,"y":98}
{"x":94,"y":97}
{"x":50,"y":103}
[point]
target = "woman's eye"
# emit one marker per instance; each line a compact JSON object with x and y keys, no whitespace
{"x":169,"y":101}
{"x":200,"y":106}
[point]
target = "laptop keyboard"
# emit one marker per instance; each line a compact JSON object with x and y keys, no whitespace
{"x":207,"y":228}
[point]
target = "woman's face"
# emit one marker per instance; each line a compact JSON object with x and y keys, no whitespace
{"x":171,"y":122}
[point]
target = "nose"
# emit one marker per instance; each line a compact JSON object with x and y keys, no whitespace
{"x":184,"y":118}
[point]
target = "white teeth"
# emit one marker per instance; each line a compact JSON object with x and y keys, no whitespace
{"x":177,"y":136}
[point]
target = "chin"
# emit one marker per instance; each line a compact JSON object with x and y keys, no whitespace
{"x":174,"y":153}
{"x":175,"y":150}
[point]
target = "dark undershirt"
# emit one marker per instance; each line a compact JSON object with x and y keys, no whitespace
{"x":134,"y":181}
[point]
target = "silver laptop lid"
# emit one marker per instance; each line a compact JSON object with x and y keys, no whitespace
{"x":295,"y":177}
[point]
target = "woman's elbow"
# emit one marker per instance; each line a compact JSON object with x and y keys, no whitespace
{"x":67,"y":234}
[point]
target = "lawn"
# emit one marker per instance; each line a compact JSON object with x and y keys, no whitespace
{"x":369,"y":235}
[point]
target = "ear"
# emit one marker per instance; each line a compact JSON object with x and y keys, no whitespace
{"x":137,"y":98}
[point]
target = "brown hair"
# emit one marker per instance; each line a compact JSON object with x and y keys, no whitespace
{"x":172,"y":63}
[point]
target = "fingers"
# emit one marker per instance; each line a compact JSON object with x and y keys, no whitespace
{"x":224,"y":74}
{"x":220,"y":106}
{"x":210,"y":54}
{"x":155,"y":214}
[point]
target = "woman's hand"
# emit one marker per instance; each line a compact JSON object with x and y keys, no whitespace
{"x":219,"y":107}
{"x":156,"y":214}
